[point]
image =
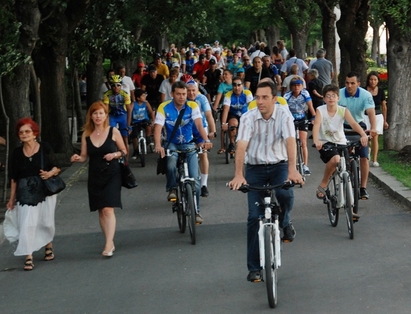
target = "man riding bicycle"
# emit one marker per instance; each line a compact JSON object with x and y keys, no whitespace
{"x":183,"y":140}
{"x":267,"y":136}
{"x":119,"y":107}
{"x":234,"y":106}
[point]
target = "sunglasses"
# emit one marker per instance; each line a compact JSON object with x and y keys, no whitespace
{"x":237,"y":84}
{"x":246,"y":59}
{"x":115,"y":85}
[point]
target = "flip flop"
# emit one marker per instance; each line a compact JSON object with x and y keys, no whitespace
{"x":221,"y":151}
{"x":321,"y":192}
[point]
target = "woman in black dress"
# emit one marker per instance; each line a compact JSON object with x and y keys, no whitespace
{"x":35,"y":209}
{"x":103,"y":145}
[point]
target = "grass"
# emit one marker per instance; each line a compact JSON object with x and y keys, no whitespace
{"x":390,"y":163}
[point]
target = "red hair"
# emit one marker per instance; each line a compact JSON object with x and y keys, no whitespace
{"x":28,"y":121}
{"x":89,"y":126}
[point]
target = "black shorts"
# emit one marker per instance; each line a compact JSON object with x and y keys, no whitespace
{"x":328,"y":154}
{"x":302,"y":126}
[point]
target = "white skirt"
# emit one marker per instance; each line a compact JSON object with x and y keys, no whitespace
{"x":379,"y":119}
{"x":36,"y":225}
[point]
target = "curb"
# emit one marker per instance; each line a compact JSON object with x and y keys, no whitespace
{"x":392,"y":186}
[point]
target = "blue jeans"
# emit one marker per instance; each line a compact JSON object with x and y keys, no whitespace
{"x":193,"y":170}
{"x":258,"y":176}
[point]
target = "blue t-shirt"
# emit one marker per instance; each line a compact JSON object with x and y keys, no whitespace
{"x":139,"y":113}
{"x":167,"y":115}
{"x":357,"y":104}
{"x":189,"y":65}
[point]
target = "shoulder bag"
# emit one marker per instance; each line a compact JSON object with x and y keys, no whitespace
{"x":127,"y":177}
{"x":54,"y":184}
{"x":162,"y":162}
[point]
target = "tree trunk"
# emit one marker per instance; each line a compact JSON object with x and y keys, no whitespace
{"x":77,"y":110}
{"x":399,"y":94}
{"x":95,"y":75}
{"x":328,"y":32}
{"x":16,"y":85}
{"x":273,"y":34}
{"x":375,"y":42}
{"x":352,"y":27}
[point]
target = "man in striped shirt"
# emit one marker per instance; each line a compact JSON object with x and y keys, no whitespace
{"x":266,"y":145}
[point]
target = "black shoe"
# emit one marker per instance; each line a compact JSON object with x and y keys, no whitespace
{"x":254,"y":276}
{"x":172,"y":195}
{"x":289,"y":233}
{"x":364,"y":194}
{"x":204,"y":191}
{"x":231,"y":148}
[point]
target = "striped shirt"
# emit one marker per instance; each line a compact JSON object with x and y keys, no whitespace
{"x":267,"y":139}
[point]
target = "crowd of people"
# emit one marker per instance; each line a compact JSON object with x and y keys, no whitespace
{"x":261,"y":93}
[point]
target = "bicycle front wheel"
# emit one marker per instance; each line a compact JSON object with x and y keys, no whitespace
{"x":333,"y":211}
{"x":270,"y":266}
{"x":348,"y":204}
{"x":181,"y":217}
{"x":190,"y":212}
{"x":227,"y":146}
{"x":300,"y":158}
{"x":143,"y":152}
{"x":355,"y":179}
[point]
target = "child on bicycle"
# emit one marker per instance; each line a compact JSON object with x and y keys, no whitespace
{"x":329,"y":128}
{"x":142,"y":113}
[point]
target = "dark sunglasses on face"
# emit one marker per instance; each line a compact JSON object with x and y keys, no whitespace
{"x":115,"y":85}
{"x":237,"y":84}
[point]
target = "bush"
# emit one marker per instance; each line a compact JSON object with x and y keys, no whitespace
{"x":371,"y":63}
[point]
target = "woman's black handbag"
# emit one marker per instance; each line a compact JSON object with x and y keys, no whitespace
{"x":54,"y":184}
{"x":127,"y":177}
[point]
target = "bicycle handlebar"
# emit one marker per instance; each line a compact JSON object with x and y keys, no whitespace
{"x":198,"y":149}
{"x":247,"y":188}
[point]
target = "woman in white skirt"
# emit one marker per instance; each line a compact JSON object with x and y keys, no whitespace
{"x":380,"y":112}
{"x":35,"y":210}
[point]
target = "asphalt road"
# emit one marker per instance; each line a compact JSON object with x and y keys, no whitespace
{"x":155,"y":269}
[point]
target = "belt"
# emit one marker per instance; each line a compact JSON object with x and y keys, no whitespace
{"x":267,"y":165}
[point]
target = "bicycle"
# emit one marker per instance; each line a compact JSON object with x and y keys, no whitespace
{"x":300,"y":160}
{"x":339,"y":192}
{"x":185,"y":204}
{"x":229,"y":154}
{"x":141,"y":141}
{"x":269,"y":237}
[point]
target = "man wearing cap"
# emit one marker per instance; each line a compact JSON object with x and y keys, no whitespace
{"x":176,"y":66}
{"x":200,"y":67}
{"x":151,"y":84}
{"x":209,"y":126}
{"x":211,"y":79}
{"x":162,"y":68}
{"x":165,"y":87}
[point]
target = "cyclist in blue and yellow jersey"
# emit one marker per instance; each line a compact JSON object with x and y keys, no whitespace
{"x":234,"y":106}
{"x":142,"y":112}
{"x":167,"y":115}
{"x":208,"y":124}
{"x":299,"y":100}
{"x":119,"y":107}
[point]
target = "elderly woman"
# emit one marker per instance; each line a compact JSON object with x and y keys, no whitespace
{"x":27,"y":193}
{"x":104,"y":145}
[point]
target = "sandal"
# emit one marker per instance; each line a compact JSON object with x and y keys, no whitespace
{"x":355,"y":217}
{"x":221,"y":151}
{"x":28,"y":264}
{"x":321,"y":192}
{"x":49,"y":256}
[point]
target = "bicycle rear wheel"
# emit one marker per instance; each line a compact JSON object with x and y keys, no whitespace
{"x":348,"y":204}
{"x":227,"y":146}
{"x":270,"y":266}
{"x":143,"y":152}
{"x":181,"y":217}
{"x":333,"y":211}
{"x":355,"y":179}
{"x":190,"y":212}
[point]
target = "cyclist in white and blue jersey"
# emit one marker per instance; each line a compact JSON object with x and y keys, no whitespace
{"x":299,"y":100}
{"x":167,"y":115}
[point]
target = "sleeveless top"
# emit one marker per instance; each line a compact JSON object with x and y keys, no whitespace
{"x":332,"y":128}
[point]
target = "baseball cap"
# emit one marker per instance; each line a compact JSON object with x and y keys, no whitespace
{"x":211,"y":61}
{"x":140,"y":65}
{"x":296,"y":82}
{"x":152,"y":68}
{"x":175,"y":64}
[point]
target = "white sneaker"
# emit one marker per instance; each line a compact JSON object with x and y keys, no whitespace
{"x":199,"y":219}
{"x":375,"y":164}
{"x":307,"y":171}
